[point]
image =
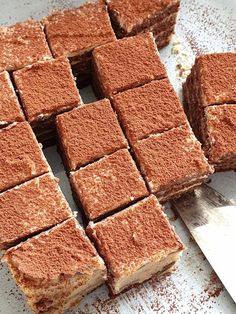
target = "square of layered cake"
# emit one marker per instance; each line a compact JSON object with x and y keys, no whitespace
{"x":172,"y":162}
{"x":151,"y":108}
{"x":22,"y":44}
{"x":136,"y":243}
{"x":46,"y":89}
{"x":212,"y":81}
{"x":107,"y":185}
{"x":56,"y":268}
{"x":10,"y":110}
{"x":125,"y":64}
{"x":75,"y":32}
{"x":88,"y":133}
{"x":221,"y":136}
{"x":131,"y":17}
{"x":31,"y":207}
{"x":21,"y":157}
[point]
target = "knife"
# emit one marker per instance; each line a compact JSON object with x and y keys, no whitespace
{"x":211,"y":219}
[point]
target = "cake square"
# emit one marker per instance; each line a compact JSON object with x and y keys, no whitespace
{"x":88,"y":133}
{"x":172,"y":162}
{"x":21,"y":157}
{"x":131,"y":17}
{"x":123,"y":64}
{"x":151,"y":108}
{"x":221,"y":136}
{"x":31,"y":207}
{"x":75,"y":32}
{"x":22,"y":44}
{"x":136,"y":243}
{"x":46,"y":89}
{"x":10,"y":110}
{"x":107,"y":185}
{"x":56,"y":268}
{"x":212,"y":81}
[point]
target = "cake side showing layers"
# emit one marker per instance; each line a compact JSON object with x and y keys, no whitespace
{"x":108,"y":184}
{"x":56,"y":268}
{"x":123,"y":64}
{"x":136,"y":243}
{"x":75,"y":32}
{"x":21,"y":157}
{"x":172,"y":162}
{"x":30,"y":208}
{"x":88,"y":133}
{"x":10,"y":110}
{"x":221,"y":135}
{"x":151,"y":108}
{"x":22,"y":44}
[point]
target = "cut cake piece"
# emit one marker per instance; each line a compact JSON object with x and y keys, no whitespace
{"x":56,"y":268}
{"x":136,"y":243}
{"x":125,"y":64}
{"x":21,"y":157}
{"x":131,"y":17}
{"x":22,"y":44}
{"x":88,"y":133}
{"x":31,"y":207}
{"x":109,"y":184}
{"x":46,"y":89}
{"x":172,"y":162}
{"x":151,"y":108}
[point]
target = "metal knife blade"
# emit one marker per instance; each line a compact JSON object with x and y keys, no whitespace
{"x":211,"y":219}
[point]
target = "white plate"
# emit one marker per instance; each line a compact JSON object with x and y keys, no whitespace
{"x":203,"y":26}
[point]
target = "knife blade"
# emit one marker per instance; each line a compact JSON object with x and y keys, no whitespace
{"x":211,"y":219}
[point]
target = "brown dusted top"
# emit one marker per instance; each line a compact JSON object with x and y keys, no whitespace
{"x":78,"y":30}
{"x":22,"y":44}
{"x":152,"y":108}
{"x":171,"y":158}
{"x":217,"y":74}
{"x":221,"y":129}
{"x":62,"y":251}
{"x":46,"y":88}
{"x":89,"y":132}
{"x":21,"y":157}
{"x":31,"y":207}
{"x":112,"y":182}
{"x":133,"y":236}
{"x":131,"y":13}
{"x":127,"y":63}
{"x":10,"y":110}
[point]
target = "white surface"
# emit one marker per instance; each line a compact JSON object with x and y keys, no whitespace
{"x":204,"y":26}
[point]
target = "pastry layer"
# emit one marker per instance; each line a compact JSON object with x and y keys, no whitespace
{"x":22,"y":44}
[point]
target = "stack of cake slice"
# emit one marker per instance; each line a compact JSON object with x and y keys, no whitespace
{"x":131,"y":17}
{"x":209,"y":100}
